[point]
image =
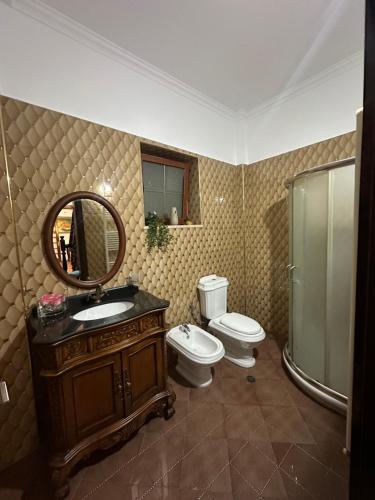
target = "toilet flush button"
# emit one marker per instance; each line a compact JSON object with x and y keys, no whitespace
{"x":4,"y":396}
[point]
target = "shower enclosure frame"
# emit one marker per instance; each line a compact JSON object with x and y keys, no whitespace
{"x":317,"y":390}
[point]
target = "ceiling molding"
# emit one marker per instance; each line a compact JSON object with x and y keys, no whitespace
{"x":351,"y":62}
{"x":76,"y":31}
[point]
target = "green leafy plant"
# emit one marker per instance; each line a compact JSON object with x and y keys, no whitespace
{"x":158,"y":235}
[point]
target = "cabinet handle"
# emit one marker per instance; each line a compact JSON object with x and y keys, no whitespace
{"x":128,"y":384}
{"x":120,"y":387}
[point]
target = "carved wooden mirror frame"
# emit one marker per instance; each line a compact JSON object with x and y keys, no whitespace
{"x":48,"y":239}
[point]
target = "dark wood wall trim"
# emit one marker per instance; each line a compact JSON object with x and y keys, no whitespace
{"x":362,"y":479}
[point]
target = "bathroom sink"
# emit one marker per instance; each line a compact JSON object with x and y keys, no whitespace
{"x":103,"y":311}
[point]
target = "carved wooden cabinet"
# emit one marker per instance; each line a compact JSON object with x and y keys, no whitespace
{"x":98,"y":387}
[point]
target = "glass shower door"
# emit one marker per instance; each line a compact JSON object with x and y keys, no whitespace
{"x":320,"y":274}
{"x":309,"y":273}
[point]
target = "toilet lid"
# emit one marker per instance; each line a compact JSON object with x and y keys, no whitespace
{"x":240,"y":323}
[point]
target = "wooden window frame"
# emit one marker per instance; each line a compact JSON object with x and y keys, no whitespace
{"x":169,"y":162}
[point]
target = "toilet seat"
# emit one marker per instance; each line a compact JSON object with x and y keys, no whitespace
{"x":238,"y":326}
{"x":240,"y":323}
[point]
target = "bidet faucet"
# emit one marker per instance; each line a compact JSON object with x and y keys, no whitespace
{"x":186,"y":329}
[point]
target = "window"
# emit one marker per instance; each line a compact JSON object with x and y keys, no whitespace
{"x":165,"y":185}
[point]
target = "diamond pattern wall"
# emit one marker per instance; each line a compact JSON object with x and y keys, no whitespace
{"x":266,"y":228}
{"x":50,"y":155}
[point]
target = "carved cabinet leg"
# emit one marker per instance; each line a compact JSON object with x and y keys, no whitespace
{"x":60,"y":482}
{"x":169,"y":411}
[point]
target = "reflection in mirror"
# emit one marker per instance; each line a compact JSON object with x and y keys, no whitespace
{"x":85,"y":240}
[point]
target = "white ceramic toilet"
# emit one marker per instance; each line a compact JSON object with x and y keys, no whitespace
{"x":238,"y":333}
{"x":197,"y":351}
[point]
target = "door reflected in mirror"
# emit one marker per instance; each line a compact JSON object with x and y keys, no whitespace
{"x":85,"y":240}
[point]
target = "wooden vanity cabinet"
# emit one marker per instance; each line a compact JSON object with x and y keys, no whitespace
{"x":98,"y":388}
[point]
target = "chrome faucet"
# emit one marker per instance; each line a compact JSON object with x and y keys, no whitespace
{"x":186,"y":329}
{"x":97,"y":296}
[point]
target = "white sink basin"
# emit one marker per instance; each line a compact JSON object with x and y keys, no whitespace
{"x":103,"y":311}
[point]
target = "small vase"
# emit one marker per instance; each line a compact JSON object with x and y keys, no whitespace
{"x":174,"y":216}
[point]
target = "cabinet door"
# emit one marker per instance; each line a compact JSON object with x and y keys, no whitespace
{"x":143,"y":371}
{"x":93,"y":394}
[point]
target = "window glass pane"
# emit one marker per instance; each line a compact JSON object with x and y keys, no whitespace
{"x":174,"y":179}
{"x":154,"y":202}
{"x":173,"y":200}
{"x":153,"y":176}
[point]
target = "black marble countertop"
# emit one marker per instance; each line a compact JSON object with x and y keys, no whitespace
{"x":59,"y":329}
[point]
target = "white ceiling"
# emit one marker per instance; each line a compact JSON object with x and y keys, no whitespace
{"x":238,"y":52}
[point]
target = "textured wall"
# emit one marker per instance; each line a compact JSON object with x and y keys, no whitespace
{"x":266,"y":228}
{"x":49,"y":155}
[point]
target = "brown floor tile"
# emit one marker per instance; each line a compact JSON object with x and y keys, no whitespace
{"x":159,"y":424}
{"x":313,"y":476}
{"x":272,"y":392}
{"x":274,"y":489}
{"x":162,"y":493}
{"x":280,"y":450}
{"x":266,"y":368}
{"x":204,"y":462}
{"x":179,"y":385}
{"x":262,"y":350}
{"x":160,"y":457}
{"x":101,"y":464}
{"x":265,"y":448}
{"x":115,"y":489}
{"x":190,"y":494}
{"x":242,"y":420}
{"x":293,"y":490}
{"x":234,"y":446}
{"x":211,"y":495}
{"x":236,"y":392}
{"x":239,"y":489}
{"x":204,"y":418}
{"x":326,"y":420}
{"x":253,"y":466}
{"x":328,"y":450}
{"x":222,"y":482}
{"x":273,"y":349}
{"x":171,"y":479}
{"x":298,"y":396}
{"x":226,"y":369}
{"x":226,"y":390}
{"x":287,"y":421}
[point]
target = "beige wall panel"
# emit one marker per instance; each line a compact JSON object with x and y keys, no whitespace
{"x":18,"y":434}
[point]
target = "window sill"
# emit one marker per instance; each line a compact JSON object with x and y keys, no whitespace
{"x":180,"y":226}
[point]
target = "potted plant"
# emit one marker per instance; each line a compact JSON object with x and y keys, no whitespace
{"x":158,"y":235}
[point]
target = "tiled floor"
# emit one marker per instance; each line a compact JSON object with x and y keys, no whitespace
{"x":233,"y":440}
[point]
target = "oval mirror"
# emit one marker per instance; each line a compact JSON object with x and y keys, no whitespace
{"x":84,"y":239}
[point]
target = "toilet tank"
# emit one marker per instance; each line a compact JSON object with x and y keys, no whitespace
{"x":213,"y":295}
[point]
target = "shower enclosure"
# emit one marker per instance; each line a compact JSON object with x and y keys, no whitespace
{"x":321,"y":237}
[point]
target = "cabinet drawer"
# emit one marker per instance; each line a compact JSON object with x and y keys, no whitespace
{"x":115,"y":335}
